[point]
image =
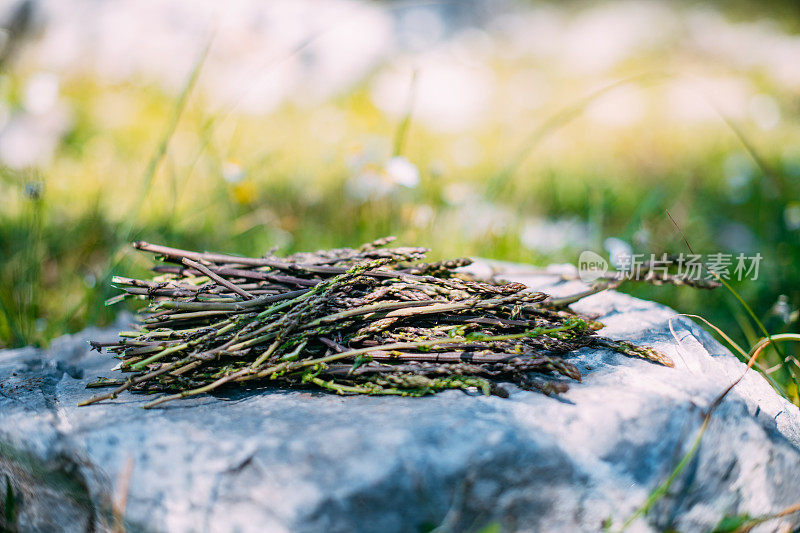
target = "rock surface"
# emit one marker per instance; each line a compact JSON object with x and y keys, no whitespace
{"x":270,"y":460}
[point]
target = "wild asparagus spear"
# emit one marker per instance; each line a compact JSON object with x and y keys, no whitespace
{"x":371,"y":320}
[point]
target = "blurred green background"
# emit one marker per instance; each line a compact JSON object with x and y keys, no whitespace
{"x":520,"y":131}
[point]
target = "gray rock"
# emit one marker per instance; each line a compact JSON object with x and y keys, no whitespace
{"x":272,"y":460}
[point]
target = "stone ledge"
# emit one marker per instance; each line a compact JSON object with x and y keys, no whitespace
{"x":274,"y":460}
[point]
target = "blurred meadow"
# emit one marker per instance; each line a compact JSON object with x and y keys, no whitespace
{"x":522,"y":131}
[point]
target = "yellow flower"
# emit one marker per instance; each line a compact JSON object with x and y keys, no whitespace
{"x":244,"y":192}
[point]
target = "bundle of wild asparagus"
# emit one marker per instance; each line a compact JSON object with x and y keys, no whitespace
{"x":354,"y":321}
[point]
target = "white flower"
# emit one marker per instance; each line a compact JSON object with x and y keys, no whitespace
{"x":402,"y":172}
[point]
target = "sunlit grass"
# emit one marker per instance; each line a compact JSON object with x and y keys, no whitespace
{"x":244,"y":184}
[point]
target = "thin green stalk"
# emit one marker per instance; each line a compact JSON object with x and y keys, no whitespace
{"x":402,"y":128}
{"x":266,"y":355}
{"x":379,"y":307}
{"x":662,"y":489}
{"x":288,"y":365}
{"x":177,"y":348}
{"x":746,"y":307}
{"x":744,"y":355}
{"x":160,"y":355}
{"x":169,"y":132}
{"x":233,"y":306}
{"x":135,"y":380}
{"x":551,"y":125}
